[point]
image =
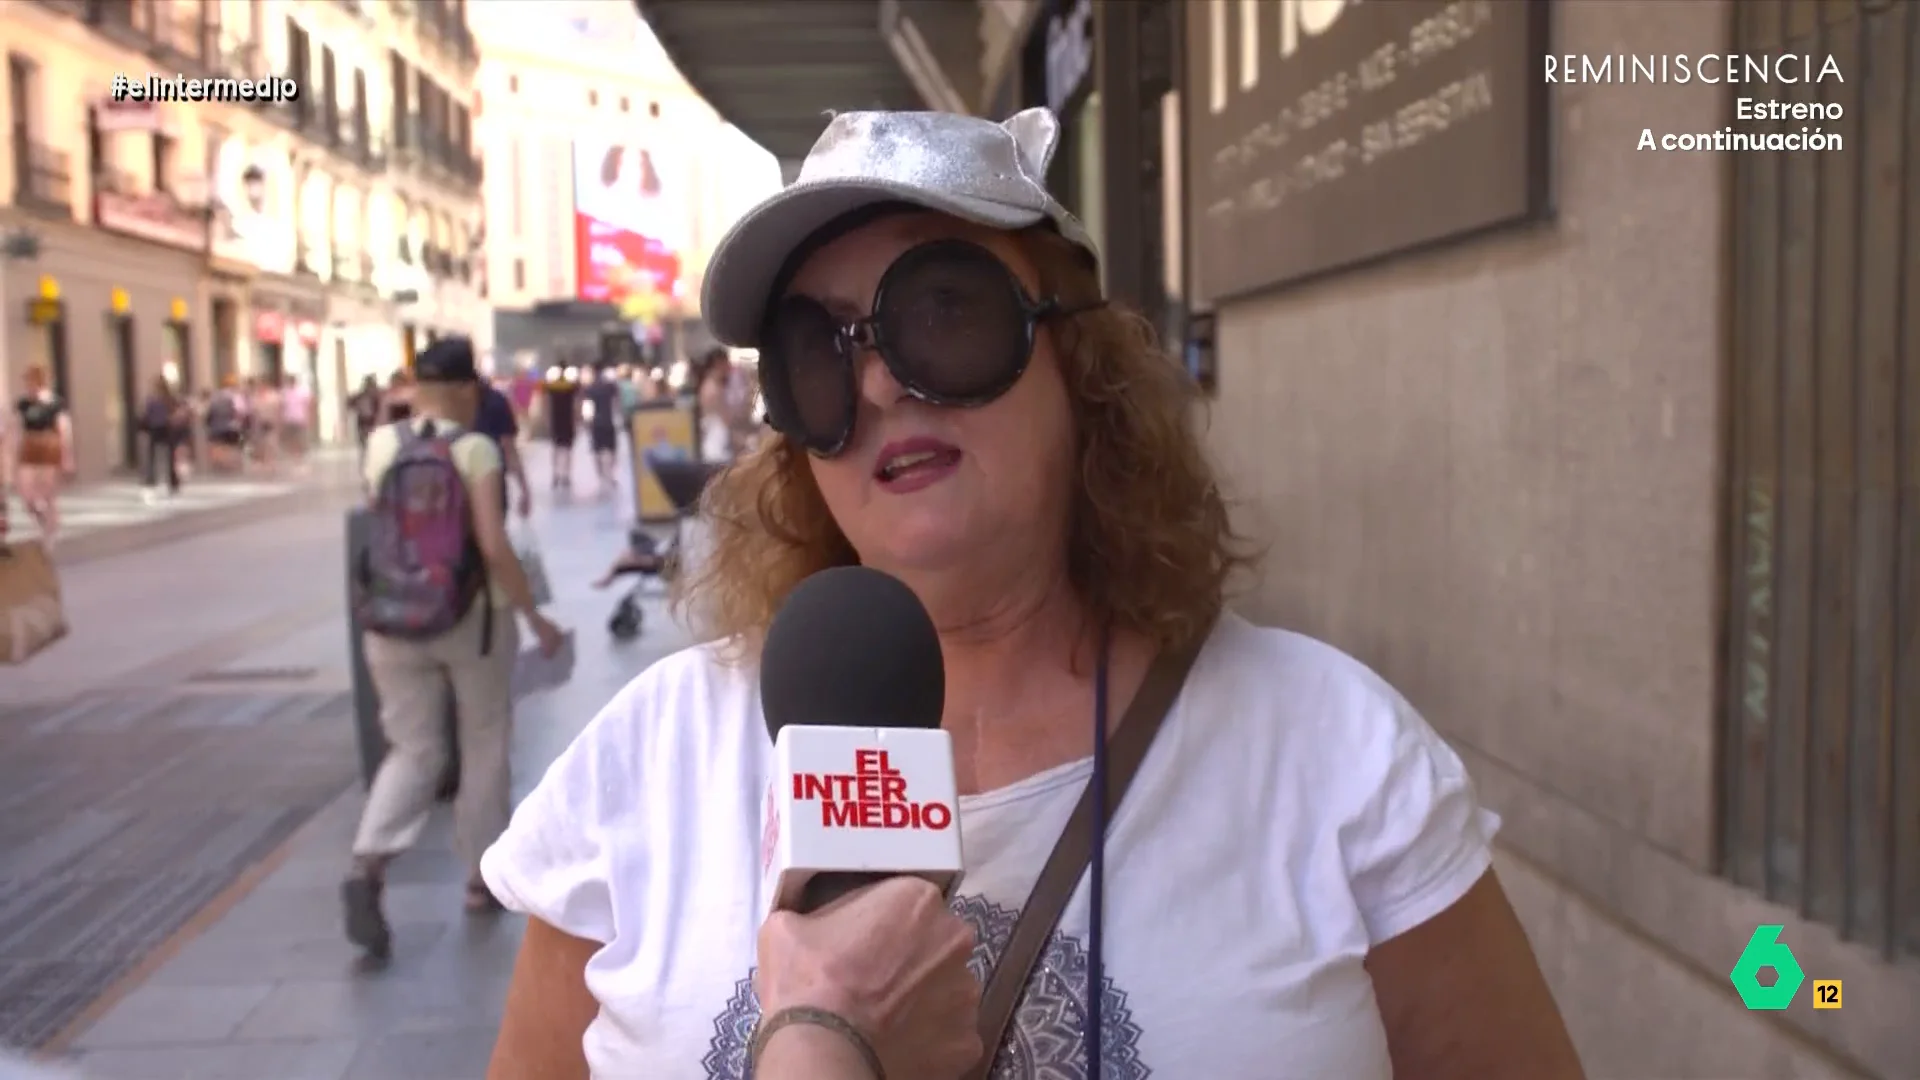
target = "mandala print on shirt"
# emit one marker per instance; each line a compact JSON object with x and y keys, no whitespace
{"x":1043,"y":1042}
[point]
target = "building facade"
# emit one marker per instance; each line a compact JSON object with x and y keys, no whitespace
{"x":103,"y":276}
{"x":323,"y":235}
{"x":1594,"y":451}
{"x":573,"y":93}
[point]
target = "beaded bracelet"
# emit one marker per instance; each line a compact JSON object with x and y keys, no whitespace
{"x":807,"y":1014}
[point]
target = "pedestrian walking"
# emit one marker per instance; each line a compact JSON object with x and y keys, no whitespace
{"x":364,"y":406}
{"x":494,"y":417}
{"x":43,"y":451}
{"x":562,"y":390}
{"x":226,"y":424}
{"x":160,"y":422}
{"x":296,"y":419}
{"x":263,"y":412}
{"x":437,"y":594}
{"x":603,"y":409}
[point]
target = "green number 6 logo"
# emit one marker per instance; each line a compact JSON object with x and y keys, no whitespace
{"x":1765,"y":951}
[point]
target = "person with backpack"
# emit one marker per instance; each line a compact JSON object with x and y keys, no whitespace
{"x":226,"y":424}
{"x":436,"y":591}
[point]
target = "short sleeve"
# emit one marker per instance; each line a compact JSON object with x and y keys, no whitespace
{"x":478,"y":457}
{"x":554,"y":862}
{"x":1418,"y":838}
{"x":379,"y":454}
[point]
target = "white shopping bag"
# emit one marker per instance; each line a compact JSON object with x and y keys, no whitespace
{"x":527,"y":546}
{"x":533,"y":672}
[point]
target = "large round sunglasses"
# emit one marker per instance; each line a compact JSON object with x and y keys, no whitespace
{"x":950,"y":321}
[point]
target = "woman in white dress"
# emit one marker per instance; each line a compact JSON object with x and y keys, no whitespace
{"x":1298,"y":882}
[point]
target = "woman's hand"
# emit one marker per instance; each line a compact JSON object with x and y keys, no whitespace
{"x":890,"y":959}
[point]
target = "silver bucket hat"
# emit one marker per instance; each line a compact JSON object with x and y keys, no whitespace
{"x":976,"y":170}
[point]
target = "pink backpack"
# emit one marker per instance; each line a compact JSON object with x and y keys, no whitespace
{"x":421,"y":569}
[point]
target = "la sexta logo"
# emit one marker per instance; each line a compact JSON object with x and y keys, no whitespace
{"x":873,"y":796}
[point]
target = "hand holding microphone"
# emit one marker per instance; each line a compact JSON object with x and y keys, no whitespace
{"x":860,"y":961}
{"x":888,"y":960}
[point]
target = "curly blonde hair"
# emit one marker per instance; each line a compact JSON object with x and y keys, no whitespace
{"x":1150,"y":544}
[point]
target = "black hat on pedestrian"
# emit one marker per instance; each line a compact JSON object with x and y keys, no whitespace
{"x":448,"y":360}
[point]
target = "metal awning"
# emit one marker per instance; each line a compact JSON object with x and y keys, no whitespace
{"x":776,"y":68}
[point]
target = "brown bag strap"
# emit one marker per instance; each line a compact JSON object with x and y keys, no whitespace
{"x":1074,"y":850}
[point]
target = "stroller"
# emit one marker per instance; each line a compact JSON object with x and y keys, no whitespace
{"x":648,"y":559}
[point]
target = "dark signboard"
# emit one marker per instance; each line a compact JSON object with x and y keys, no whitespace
{"x":1324,"y":133}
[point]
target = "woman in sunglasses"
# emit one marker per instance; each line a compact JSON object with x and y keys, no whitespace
{"x":1298,"y":881}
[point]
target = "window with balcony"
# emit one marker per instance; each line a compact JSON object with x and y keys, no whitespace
{"x":593,"y":97}
{"x":96,"y":145}
{"x":329,"y":96}
{"x":163,"y":147}
{"x":361,"y":129}
{"x":513,"y":84}
{"x":399,"y":76}
{"x":300,"y":68}
{"x":625,"y":104}
{"x":653,"y":109}
{"x":40,"y":173}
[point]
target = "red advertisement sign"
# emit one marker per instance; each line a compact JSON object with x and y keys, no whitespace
{"x":614,"y":263}
{"x":627,"y":223}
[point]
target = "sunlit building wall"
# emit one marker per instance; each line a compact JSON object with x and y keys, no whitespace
{"x":569,"y":82}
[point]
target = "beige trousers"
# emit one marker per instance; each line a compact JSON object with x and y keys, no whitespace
{"x":412,"y":679}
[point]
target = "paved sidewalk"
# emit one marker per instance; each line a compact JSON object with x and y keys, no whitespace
{"x":270,"y":990}
{"x":119,"y":515}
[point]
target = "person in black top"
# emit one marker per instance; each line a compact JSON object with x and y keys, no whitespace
{"x":365,"y":407}
{"x":494,"y":418}
{"x":604,"y":410}
{"x":563,"y":409}
{"x":44,"y":451}
{"x":160,"y":421}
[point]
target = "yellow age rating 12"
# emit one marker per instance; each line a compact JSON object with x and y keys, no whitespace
{"x":1766,"y":951}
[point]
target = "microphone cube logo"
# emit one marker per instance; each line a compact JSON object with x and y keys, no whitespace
{"x":873,"y":796}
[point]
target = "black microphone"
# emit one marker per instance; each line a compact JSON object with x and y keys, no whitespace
{"x":852,"y":650}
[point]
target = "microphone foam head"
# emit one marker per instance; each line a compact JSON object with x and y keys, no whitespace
{"x":852,"y":647}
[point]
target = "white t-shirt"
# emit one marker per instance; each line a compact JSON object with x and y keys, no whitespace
{"x":1293,"y":813}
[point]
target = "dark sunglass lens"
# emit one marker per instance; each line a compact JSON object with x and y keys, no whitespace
{"x":953,"y":321}
{"x":805,"y":374}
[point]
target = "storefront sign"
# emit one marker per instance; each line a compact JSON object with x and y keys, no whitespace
{"x":49,"y":287}
{"x":111,"y":115}
{"x":1325,"y":133}
{"x":269,"y":327}
{"x":158,"y":218}
{"x":119,"y":302}
{"x":177,"y":310}
{"x":44,"y":312}
{"x":1069,"y":53}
